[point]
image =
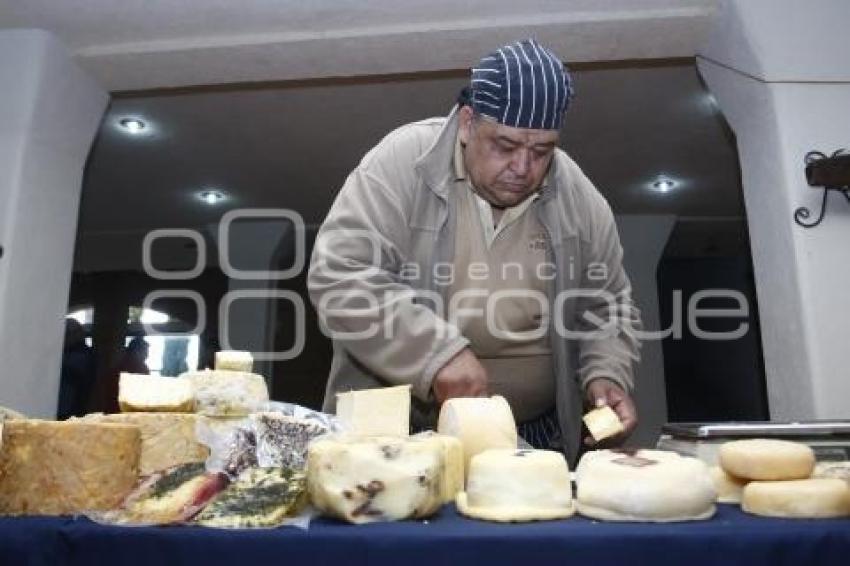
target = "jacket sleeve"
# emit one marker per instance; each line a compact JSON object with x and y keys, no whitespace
{"x":605,"y":310}
{"x":363,"y":300}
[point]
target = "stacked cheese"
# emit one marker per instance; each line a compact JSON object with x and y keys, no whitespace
{"x":480,"y":424}
{"x":779,"y":484}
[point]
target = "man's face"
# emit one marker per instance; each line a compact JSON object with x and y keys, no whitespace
{"x":505,"y":165}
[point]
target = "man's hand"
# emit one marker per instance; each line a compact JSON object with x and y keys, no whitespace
{"x":602,"y":392}
{"x":462,"y":376}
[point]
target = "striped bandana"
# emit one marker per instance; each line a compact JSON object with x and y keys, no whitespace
{"x":522,"y":85}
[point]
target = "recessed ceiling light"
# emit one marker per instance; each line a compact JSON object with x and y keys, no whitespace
{"x":663,"y":185}
{"x":211,"y":197}
{"x":132,"y":125}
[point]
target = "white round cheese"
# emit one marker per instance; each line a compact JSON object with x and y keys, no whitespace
{"x":480,"y":423}
{"x":645,"y":485}
{"x":728,"y":487}
{"x":517,"y":485}
{"x":803,"y":499}
{"x":767,"y":459}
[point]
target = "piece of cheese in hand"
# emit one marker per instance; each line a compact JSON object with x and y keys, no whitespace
{"x":154,"y":394}
{"x":384,"y":411}
{"x":603,"y":423}
{"x":368,"y":479}
{"x":168,"y":439}
{"x":62,"y":468}
{"x":508,"y":485}
{"x":800,"y":499}
{"x":480,"y":423}
{"x":234,"y":360}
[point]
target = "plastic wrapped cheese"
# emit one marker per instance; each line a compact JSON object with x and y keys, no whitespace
{"x":383,"y":411}
{"x":480,"y":423}
{"x":368,"y":479}
{"x":59,"y":468}
{"x":222,"y":393}
{"x":643,"y":485}
{"x":508,"y":485}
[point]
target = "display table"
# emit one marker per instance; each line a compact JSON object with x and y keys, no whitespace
{"x":731,"y":537}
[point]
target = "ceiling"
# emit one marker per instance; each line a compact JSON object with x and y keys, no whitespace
{"x":287,"y":96}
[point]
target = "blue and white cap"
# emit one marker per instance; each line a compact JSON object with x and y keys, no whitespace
{"x":522,"y":85}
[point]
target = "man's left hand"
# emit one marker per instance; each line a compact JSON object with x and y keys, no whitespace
{"x":601,"y":392}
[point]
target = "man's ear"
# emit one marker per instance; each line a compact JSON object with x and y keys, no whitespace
{"x":465,"y":117}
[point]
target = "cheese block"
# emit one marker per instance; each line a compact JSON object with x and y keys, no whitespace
{"x":260,"y":497}
{"x":767,"y":459}
{"x":168,"y":439}
{"x":234,"y":360}
{"x":154,"y":393}
{"x":383,"y":411}
{"x":224,"y":393}
{"x":452,"y":476}
{"x":9,"y":414}
{"x":838,"y":470}
{"x":282,"y":440}
{"x":61,"y":468}
{"x":171,"y":496}
{"x":509,"y":485}
{"x":729,"y":488}
{"x":603,"y":423}
{"x":799,"y":499}
{"x":363,"y":480}
{"x":643,"y":485}
{"x":480,"y":423}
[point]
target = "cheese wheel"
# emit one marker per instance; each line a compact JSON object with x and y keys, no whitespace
{"x":645,"y":485}
{"x":225,"y":393}
{"x":234,"y":360}
{"x":509,"y":485}
{"x":767,"y":459}
{"x":368,"y":479}
{"x":728,"y":487}
{"x":801,"y":499}
{"x":838,"y":470}
{"x":480,"y":423}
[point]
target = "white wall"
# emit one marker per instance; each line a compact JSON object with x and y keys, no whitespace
{"x":49,"y":113}
{"x":784,"y":98}
{"x":643,"y":238}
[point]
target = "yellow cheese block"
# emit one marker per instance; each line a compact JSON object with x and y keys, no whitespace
{"x":154,"y":393}
{"x":234,"y":360}
{"x":59,"y":468}
{"x":603,"y":423}
{"x":168,"y":439}
{"x":383,"y":411}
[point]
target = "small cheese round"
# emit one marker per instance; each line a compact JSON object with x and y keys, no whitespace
{"x":646,"y":485}
{"x":802,"y":499}
{"x":480,"y":423}
{"x":767,"y":459}
{"x":508,"y":485}
{"x":728,"y":487}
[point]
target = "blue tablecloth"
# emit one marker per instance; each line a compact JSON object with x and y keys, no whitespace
{"x":731,"y":537}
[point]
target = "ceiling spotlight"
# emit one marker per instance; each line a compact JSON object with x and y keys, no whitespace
{"x":663,"y":185}
{"x":132,"y":125}
{"x":211,"y":197}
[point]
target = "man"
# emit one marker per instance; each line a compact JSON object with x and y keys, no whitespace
{"x":470,"y":256}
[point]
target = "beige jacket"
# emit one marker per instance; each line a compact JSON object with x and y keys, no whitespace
{"x":372,"y":277}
